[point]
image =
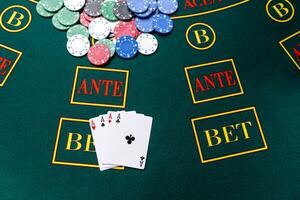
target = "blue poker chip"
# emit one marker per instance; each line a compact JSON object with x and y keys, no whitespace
{"x":152,"y":8}
{"x":145,"y":25}
{"x":162,"y":23}
{"x":167,"y":6}
{"x":126,"y":47}
{"x":138,"y":6}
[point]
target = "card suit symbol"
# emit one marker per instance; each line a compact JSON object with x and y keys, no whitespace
{"x":102,"y":124}
{"x":93,"y":125}
{"x":129,"y":139}
{"x":118,"y":121}
{"x":142,"y":161}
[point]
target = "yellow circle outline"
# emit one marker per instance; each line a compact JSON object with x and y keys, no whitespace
{"x":280,"y":21}
{"x":15,"y":6}
{"x":200,"y":48}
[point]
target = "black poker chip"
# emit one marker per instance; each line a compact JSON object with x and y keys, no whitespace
{"x":121,"y":11}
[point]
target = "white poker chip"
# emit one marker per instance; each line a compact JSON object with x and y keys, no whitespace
{"x":78,"y":45}
{"x":74,"y":5}
{"x":147,"y":44}
{"x":99,"y":28}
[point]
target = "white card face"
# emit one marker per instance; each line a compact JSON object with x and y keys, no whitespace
{"x":101,"y":128}
{"x":97,"y":129}
{"x":127,"y":144}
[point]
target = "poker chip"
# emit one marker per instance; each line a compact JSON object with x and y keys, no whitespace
{"x":144,"y":25}
{"x":57,"y":24}
{"x":147,"y":44}
{"x":77,"y":30}
{"x":67,"y":17}
{"x":78,"y":45}
{"x":162,"y":23}
{"x":152,"y":8}
{"x":126,"y":47}
{"x":99,"y":28}
{"x":110,"y":44}
{"x":98,"y":54}
{"x":121,"y":11}
{"x":42,"y":11}
{"x":123,"y":28}
{"x":138,"y":6}
{"x":93,"y":7}
{"x":167,"y":6}
{"x":52,"y":5}
{"x":74,"y":5}
{"x":107,"y":10}
{"x":83,"y":20}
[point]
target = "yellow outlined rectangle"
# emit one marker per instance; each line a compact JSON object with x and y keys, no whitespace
{"x":54,"y":161}
{"x":265,"y":147}
{"x":13,"y":66}
{"x":123,"y":105}
{"x":287,"y":52}
{"x":218,"y":97}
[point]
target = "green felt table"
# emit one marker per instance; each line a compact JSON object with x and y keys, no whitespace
{"x":41,"y":112}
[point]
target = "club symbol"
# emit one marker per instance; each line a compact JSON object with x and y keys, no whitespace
{"x":129,"y":139}
{"x":118,"y":120}
{"x":142,"y":161}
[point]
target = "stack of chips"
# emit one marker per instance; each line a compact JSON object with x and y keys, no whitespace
{"x":121,"y":27}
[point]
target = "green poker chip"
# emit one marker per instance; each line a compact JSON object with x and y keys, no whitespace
{"x":67,"y":17}
{"x":57,"y":24}
{"x":42,"y":11}
{"x":52,"y":5}
{"x":107,"y":10}
{"x":77,"y":30}
{"x":110,"y":44}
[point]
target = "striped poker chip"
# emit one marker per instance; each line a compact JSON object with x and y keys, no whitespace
{"x":93,"y":8}
{"x":147,"y":44}
{"x":57,"y":24}
{"x":162,"y":23}
{"x":167,"y":6}
{"x":78,"y":29}
{"x":110,"y":44}
{"x":52,"y":5}
{"x":78,"y":45}
{"x":98,"y":54}
{"x":83,"y":20}
{"x":74,"y":5}
{"x":42,"y":11}
{"x":152,"y":8}
{"x":67,"y":17}
{"x":125,"y":28}
{"x":138,"y":6}
{"x":99,"y":28}
{"x":121,"y":11}
{"x":144,"y":25}
{"x":126,"y":47}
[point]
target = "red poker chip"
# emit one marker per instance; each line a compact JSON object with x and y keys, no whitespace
{"x":125,"y":28}
{"x":87,"y":17}
{"x":98,"y":54}
{"x":83,"y":20}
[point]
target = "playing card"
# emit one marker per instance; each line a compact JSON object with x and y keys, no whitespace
{"x":98,"y":125}
{"x":127,"y":145}
{"x":102,"y":127}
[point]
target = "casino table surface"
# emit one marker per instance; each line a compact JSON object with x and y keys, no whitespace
{"x":238,"y":139}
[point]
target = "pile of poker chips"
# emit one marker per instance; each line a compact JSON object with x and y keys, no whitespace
{"x":119,"y":26}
